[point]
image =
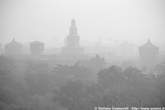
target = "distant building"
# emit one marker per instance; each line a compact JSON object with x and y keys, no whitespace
{"x":73,"y":38}
{"x":95,"y":63}
{"x":72,"y":49}
{"x":36,"y":48}
{"x":148,"y":54}
{"x":14,"y":48}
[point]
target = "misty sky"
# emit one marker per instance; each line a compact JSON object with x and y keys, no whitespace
{"x":48,"y":20}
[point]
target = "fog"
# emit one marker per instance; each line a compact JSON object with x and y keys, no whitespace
{"x":111,"y":20}
{"x":81,"y":54}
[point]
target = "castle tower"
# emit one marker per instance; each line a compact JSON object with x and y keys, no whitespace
{"x":73,"y":38}
{"x":36,"y":48}
{"x":72,"y":51}
{"x":148,"y":54}
{"x":14,"y":48}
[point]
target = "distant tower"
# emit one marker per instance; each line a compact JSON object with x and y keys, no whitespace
{"x":13,"y":48}
{"x":37,"y":48}
{"x":72,"y":49}
{"x":148,"y":54}
{"x":73,"y":38}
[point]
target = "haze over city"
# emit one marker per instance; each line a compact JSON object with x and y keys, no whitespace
{"x":134,"y":21}
{"x":82,"y":54}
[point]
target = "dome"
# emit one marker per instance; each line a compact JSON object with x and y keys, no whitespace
{"x":13,"y":47}
{"x":149,"y":45}
{"x":148,"y":54}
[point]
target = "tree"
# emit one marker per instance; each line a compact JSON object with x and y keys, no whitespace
{"x":75,"y":95}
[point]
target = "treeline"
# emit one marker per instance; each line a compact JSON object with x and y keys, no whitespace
{"x":29,"y":84}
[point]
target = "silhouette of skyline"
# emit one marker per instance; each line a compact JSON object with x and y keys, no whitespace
{"x":82,"y":54}
{"x":47,"y":21}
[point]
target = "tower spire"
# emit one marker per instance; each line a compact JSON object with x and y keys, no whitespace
{"x":72,"y":39}
{"x":73,"y":28}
